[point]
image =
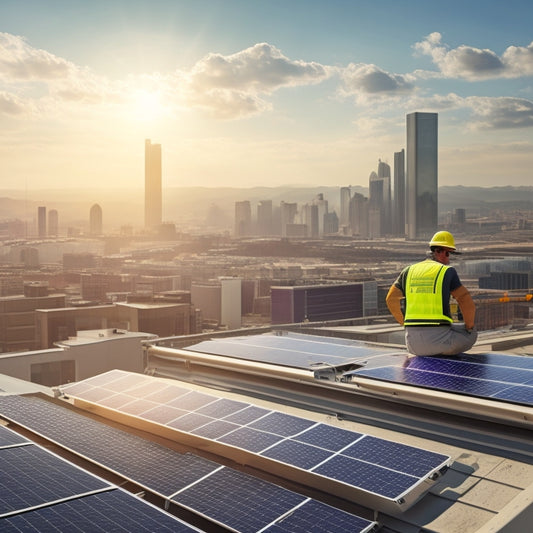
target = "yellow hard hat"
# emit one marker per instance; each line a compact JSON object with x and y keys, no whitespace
{"x":443,"y":239}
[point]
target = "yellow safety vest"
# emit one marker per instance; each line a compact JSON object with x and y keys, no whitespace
{"x":423,"y":295}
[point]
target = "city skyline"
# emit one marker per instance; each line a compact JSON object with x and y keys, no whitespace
{"x":245,"y":94}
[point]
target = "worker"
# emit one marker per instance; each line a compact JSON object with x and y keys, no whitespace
{"x":426,"y":287}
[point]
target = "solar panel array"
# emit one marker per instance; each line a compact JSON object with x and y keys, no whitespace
{"x":226,"y":497}
{"x":375,"y":466}
{"x":41,"y":492}
{"x":290,"y":349}
{"x":492,"y":376}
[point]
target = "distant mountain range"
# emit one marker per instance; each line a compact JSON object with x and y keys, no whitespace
{"x":194,"y":205}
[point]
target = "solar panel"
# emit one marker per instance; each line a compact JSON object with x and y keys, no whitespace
{"x":228,"y":496}
{"x":113,"y":510}
{"x":298,"y":444}
{"x":291,"y":349}
{"x":10,"y":438}
{"x":32,"y":477}
{"x":158,"y":469}
{"x":317,"y":517}
{"x":494,"y":376}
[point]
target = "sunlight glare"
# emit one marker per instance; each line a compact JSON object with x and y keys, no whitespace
{"x":147,"y":105}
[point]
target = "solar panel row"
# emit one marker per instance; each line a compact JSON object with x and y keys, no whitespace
{"x":287,"y":439}
{"x":220,"y":494}
{"x":290,"y":349}
{"x":491,"y":376}
{"x":42,"y":492}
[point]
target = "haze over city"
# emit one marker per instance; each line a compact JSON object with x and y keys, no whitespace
{"x":243,"y":94}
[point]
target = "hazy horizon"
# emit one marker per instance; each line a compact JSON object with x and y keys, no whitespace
{"x":245,"y":94}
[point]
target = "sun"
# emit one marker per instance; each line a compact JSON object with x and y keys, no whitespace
{"x":147,"y":105}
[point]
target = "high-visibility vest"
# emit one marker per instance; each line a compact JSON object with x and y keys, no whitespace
{"x":423,"y":295}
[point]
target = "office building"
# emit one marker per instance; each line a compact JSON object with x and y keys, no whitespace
{"x":287,"y":215}
{"x":53,"y":223}
{"x":346,"y":194}
{"x":243,"y":219}
{"x":264,"y":218}
{"x":41,"y":222}
{"x":153,"y":200}
{"x":422,"y":175}
{"x":359,"y":215}
{"x":311,"y":303}
{"x":398,"y":211}
{"x":95,"y":220}
{"x":322,"y":205}
{"x":310,"y":220}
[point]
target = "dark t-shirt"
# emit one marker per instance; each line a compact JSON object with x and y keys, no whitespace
{"x":450,"y":282}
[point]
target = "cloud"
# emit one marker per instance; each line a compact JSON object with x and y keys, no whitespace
{"x":365,"y":80}
{"x":232,"y":86}
{"x":12,"y":105}
{"x":20,"y":61}
{"x":472,"y":63}
{"x":501,"y":113}
{"x":260,"y":68}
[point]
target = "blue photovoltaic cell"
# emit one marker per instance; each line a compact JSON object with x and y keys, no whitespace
{"x":292,"y":349}
{"x":192,"y":401}
{"x":447,"y":382}
{"x":166,"y":394}
{"x":250,"y":439}
{"x":113,"y":510}
{"x":163,"y":414}
{"x":221,"y":408}
{"x":328,"y":437}
{"x":366,"y":476}
{"x":516,"y":394}
{"x":317,"y":517}
{"x":407,"y":459}
{"x":282,"y":424}
{"x":32,"y":476}
{"x":10,"y":438}
{"x":136,"y":407}
{"x":222,"y":494}
{"x":297,"y":454}
{"x":489,"y":375}
{"x":190,"y":422}
{"x":471,"y":370}
{"x":214,"y":430}
{"x":247,"y":415}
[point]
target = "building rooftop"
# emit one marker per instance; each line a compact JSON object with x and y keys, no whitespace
{"x":485,"y":485}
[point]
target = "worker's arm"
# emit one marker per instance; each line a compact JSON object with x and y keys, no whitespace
{"x":467,"y":306}
{"x":394,"y":298}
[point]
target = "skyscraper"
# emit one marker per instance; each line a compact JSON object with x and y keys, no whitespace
{"x":398,"y":210}
{"x":53,"y":219}
{"x":243,"y":218}
{"x":346,"y":194}
{"x":153,"y":202}
{"x":264,"y":217}
{"x":422,"y":175}
{"x":41,"y":221}
{"x":95,"y":220}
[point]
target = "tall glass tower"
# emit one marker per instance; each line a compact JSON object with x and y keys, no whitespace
{"x":422,"y":175}
{"x":152,"y":185}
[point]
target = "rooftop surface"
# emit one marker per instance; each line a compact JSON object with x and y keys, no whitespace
{"x":487,"y":487}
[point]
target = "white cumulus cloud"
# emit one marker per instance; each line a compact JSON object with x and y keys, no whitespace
{"x":472,"y":63}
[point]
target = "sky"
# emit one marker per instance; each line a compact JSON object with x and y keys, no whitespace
{"x":245,"y":93}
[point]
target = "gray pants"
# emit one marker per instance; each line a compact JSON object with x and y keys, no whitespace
{"x":439,"y":340}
